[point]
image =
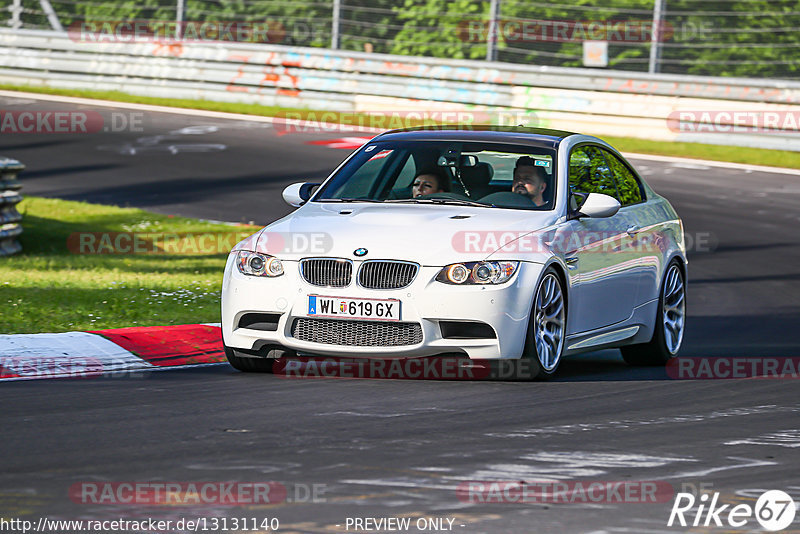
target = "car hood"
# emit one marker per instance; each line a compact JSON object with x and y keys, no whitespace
{"x":426,"y":234}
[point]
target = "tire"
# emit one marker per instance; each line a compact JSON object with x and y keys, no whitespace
{"x":670,"y":323}
{"x":247,"y":364}
{"x":547,"y":327}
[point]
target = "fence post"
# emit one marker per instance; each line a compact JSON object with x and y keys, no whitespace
{"x":10,"y":227}
{"x":180,"y":11}
{"x":51,"y":15}
{"x":335,"y":24}
{"x":657,"y":33}
{"x":16,"y":12}
{"x":491,"y":37}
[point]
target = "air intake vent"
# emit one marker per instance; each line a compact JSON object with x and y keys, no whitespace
{"x":466,"y":330}
{"x":260,"y":321}
{"x":357,"y":333}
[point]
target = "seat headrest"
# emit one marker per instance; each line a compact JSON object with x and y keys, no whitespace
{"x":478,"y":176}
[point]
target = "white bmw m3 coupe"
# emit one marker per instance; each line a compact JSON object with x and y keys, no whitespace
{"x":486,"y":242}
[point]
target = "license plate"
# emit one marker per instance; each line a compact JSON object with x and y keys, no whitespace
{"x":354,"y":308}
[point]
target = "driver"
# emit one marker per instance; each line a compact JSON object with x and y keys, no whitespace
{"x":530,"y":180}
{"x":429,"y":182}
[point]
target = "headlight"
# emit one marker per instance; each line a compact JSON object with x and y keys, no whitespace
{"x":255,"y":264}
{"x":480,"y":272}
{"x":457,"y":273}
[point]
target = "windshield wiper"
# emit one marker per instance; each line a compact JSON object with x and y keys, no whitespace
{"x":452,"y":201}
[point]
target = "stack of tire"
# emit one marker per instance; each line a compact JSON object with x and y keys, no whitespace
{"x":10,"y":218}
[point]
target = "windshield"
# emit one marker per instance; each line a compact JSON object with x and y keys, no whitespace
{"x":439,"y":172}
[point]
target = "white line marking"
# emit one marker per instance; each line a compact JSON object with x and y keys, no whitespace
{"x":710,"y":163}
{"x":626,"y":424}
{"x":691,"y":166}
{"x":140,"y":107}
{"x":567,"y":465}
{"x":167,"y":109}
{"x":399,"y":484}
{"x":278,"y":120}
{"x":783,"y":438}
{"x":706,"y":472}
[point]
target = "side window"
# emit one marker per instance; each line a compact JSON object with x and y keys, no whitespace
{"x":630,"y":190}
{"x":589,"y":172}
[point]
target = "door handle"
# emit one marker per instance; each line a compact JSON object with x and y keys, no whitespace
{"x":633,"y":230}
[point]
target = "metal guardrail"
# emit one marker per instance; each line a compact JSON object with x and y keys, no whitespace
{"x":212,"y":54}
{"x":10,"y":218}
{"x":603,"y":102}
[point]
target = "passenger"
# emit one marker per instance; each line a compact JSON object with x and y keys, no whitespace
{"x":430,"y":182}
{"x":530,"y":180}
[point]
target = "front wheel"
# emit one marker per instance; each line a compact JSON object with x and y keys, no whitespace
{"x":544,"y":344}
{"x":670,"y":323}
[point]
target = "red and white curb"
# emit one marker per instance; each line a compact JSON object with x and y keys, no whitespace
{"x":109,"y":352}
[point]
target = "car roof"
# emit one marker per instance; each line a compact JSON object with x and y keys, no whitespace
{"x":543,"y":137}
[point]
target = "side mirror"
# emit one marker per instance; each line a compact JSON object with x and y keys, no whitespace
{"x":298,"y":194}
{"x":598,"y":206}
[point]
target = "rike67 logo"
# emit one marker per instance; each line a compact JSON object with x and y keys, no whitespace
{"x":774,"y":510}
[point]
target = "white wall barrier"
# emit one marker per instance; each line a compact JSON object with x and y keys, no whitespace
{"x":742,"y":112}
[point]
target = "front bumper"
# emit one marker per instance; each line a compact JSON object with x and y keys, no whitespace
{"x":426,"y":302}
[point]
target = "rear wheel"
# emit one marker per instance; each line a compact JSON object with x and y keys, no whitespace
{"x":544,"y":344}
{"x":670,"y":323}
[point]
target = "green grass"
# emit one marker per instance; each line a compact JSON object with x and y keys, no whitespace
{"x":119,"y":96}
{"x":733,"y":154}
{"x":51,"y":288}
{"x":753,"y":156}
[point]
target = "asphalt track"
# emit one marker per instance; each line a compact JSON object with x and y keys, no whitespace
{"x":388,"y":448}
